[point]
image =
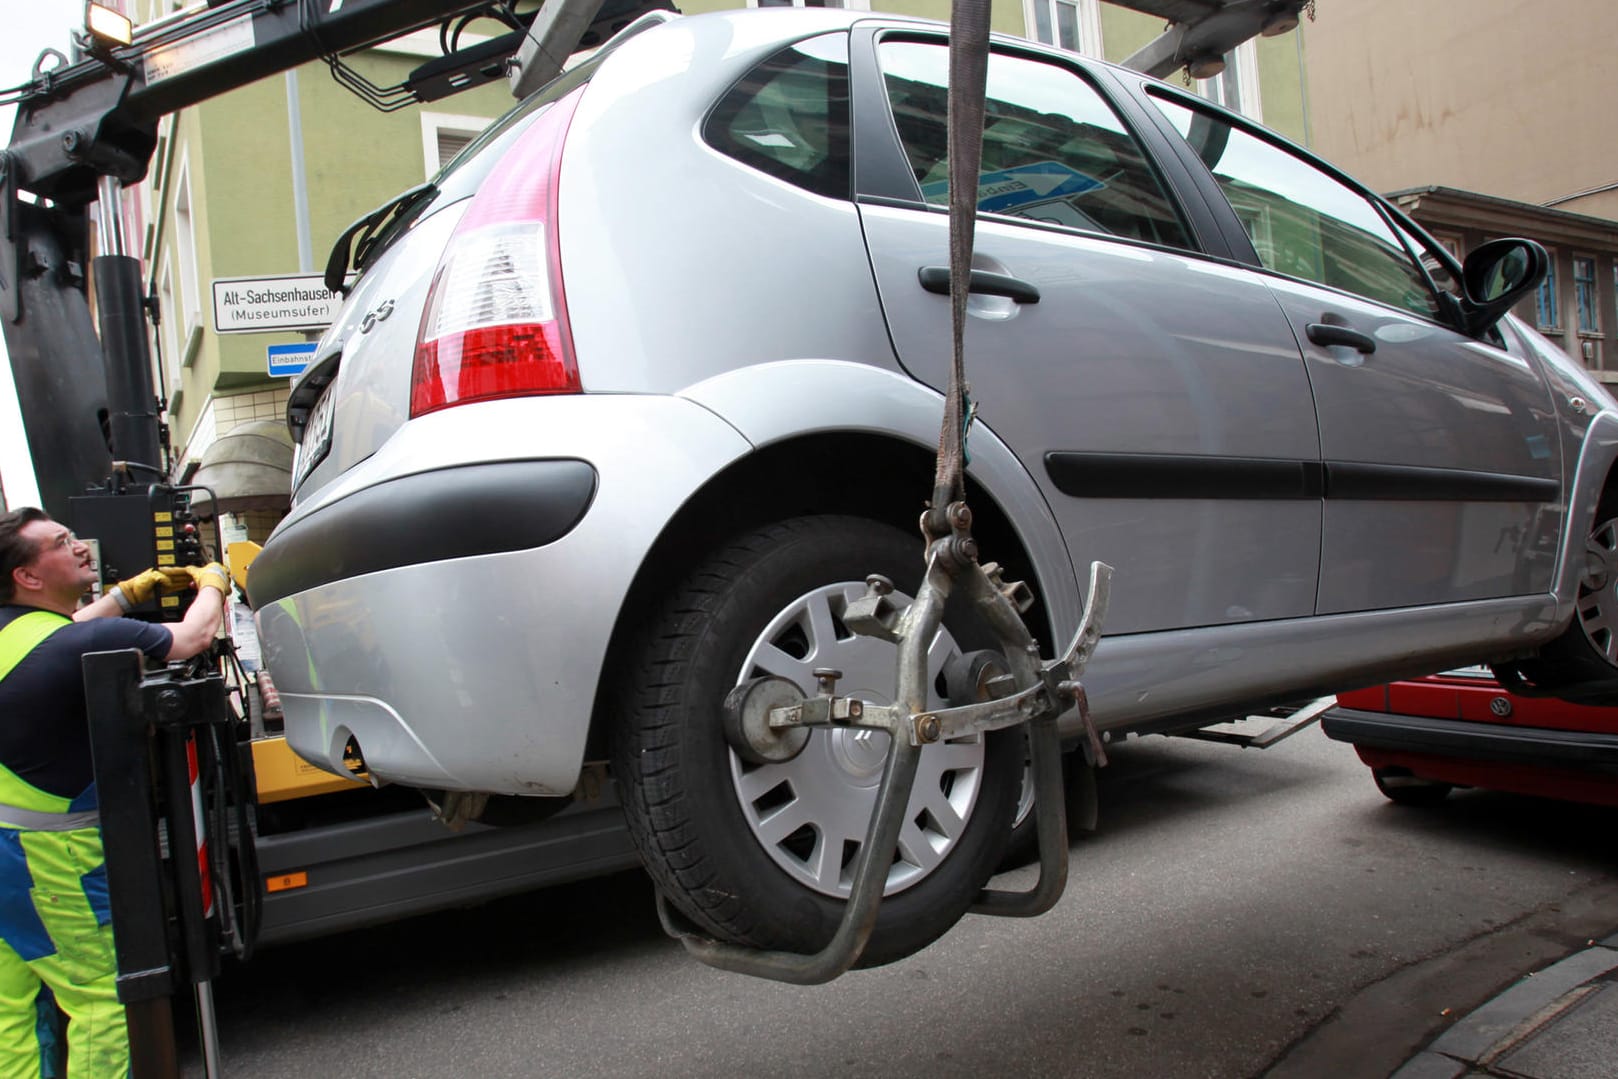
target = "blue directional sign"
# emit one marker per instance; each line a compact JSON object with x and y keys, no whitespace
{"x":1006,"y":190}
{"x":287,"y":361}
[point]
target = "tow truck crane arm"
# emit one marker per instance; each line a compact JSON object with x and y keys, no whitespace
{"x":87,"y":128}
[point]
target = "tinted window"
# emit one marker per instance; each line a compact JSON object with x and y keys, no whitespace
{"x":789,"y":116}
{"x":1302,"y":221}
{"x":1053,"y":150}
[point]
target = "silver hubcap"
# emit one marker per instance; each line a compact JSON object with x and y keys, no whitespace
{"x":810,"y":813}
{"x":1598,"y":599}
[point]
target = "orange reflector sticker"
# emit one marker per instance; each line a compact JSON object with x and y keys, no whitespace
{"x":286,"y":881}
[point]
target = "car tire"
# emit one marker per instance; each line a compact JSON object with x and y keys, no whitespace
{"x":1079,"y":802}
{"x":708,"y":825}
{"x":1585,"y":657}
{"x":1399,"y":786}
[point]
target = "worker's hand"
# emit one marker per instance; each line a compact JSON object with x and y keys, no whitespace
{"x":178,"y":580}
{"x":134,"y":591}
{"x":213,"y":575}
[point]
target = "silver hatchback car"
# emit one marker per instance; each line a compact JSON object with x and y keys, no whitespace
{"x":626,"y":404}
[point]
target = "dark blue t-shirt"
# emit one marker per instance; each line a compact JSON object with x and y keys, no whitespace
{"x":44,"y":725}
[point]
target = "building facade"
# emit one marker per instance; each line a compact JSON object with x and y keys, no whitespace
{"x":1486,"y":119}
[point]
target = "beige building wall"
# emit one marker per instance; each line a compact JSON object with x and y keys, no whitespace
{"x":1496,"y":96}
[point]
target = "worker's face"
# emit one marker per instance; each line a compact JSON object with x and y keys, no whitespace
{"x":61,"y":562}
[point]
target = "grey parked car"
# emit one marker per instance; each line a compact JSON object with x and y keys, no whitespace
{"x":627,"y":403}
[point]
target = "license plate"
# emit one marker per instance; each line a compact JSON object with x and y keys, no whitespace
{"x":316,"y":437}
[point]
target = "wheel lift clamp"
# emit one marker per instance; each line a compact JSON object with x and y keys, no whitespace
{"x":165,"y":749}
{"x":766,"y":719}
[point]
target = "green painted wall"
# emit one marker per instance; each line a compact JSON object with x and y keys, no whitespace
{"x":1124,"y":31}
{"x":1280,"y":70}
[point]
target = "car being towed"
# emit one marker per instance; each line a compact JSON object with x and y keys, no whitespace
{"x":625,"y":406}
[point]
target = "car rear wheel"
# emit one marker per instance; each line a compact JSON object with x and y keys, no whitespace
{"x":763,"y":854}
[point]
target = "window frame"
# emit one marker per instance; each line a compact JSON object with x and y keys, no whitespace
{"x":1594,"y":297}
{"x":1088,"y":20}
{"x":1549,"y":289}
{"x":1243,"y":61}
{"x":184,"y":245}
{"x":841,"y":5}
{"x":434,"y":124}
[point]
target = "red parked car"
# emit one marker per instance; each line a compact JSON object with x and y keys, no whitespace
{"x":1426,"y":736}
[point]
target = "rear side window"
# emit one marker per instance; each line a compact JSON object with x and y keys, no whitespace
{"x":789,"y":117}
{"x":1053,"y":149}
{"x":1304,"y":222}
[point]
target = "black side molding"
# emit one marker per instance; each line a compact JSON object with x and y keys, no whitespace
{"x":1399,"y":483}
{"x":1167,"y":475}
{"x":428,"y":517}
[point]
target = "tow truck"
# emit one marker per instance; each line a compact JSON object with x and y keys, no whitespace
{"x":86,"y":130}
{"x":334,"y":853}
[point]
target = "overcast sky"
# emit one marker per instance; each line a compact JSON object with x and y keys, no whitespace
{"x":31,"y":25}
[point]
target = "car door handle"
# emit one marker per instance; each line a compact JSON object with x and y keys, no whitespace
{"x":1326,"y":333}
{"x":936,"y":279}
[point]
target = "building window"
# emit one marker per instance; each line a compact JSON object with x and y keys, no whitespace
{"x":1547,"y":309}
{"x":443,"y":136}
{"x":1074,"y":25}
{"x":1236,"y":87}
{"x":185,"y":251}
{"x":847,"y":5}
{"x":1584,"y":295}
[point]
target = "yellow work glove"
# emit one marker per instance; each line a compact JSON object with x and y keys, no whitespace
{"x":138,"y":589}
{"x":213,"y":575}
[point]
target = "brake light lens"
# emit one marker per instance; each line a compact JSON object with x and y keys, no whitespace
{"x":495,"y":323}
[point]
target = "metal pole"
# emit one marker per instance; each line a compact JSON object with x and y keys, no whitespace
{"x":300,"y":185}
{"x":208,"y":1025}
{"x":131,"y":404}
{"x":109,"y":216}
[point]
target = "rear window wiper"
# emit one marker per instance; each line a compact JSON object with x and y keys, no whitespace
{"x":362,"y":234}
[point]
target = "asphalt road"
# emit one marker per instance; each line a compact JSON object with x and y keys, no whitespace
{"x":1240,"y":913}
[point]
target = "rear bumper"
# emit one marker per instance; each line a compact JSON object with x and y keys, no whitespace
{"x":465,"y":653}
{"x":1473,"y":741}
{"x":458,"y":512}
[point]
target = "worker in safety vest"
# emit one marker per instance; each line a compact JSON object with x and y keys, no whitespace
{"x":54,"y":915}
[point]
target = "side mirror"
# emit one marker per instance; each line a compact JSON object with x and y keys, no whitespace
{"x":1495,"y":276}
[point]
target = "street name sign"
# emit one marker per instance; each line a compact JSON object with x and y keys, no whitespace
{"x":260,"y":304}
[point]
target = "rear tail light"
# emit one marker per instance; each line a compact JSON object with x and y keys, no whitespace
{"x":496,"y":319}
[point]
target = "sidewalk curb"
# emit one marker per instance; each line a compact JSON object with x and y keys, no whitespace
{"x":1513,"y":1017}
{"x":1392,"y":1026}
